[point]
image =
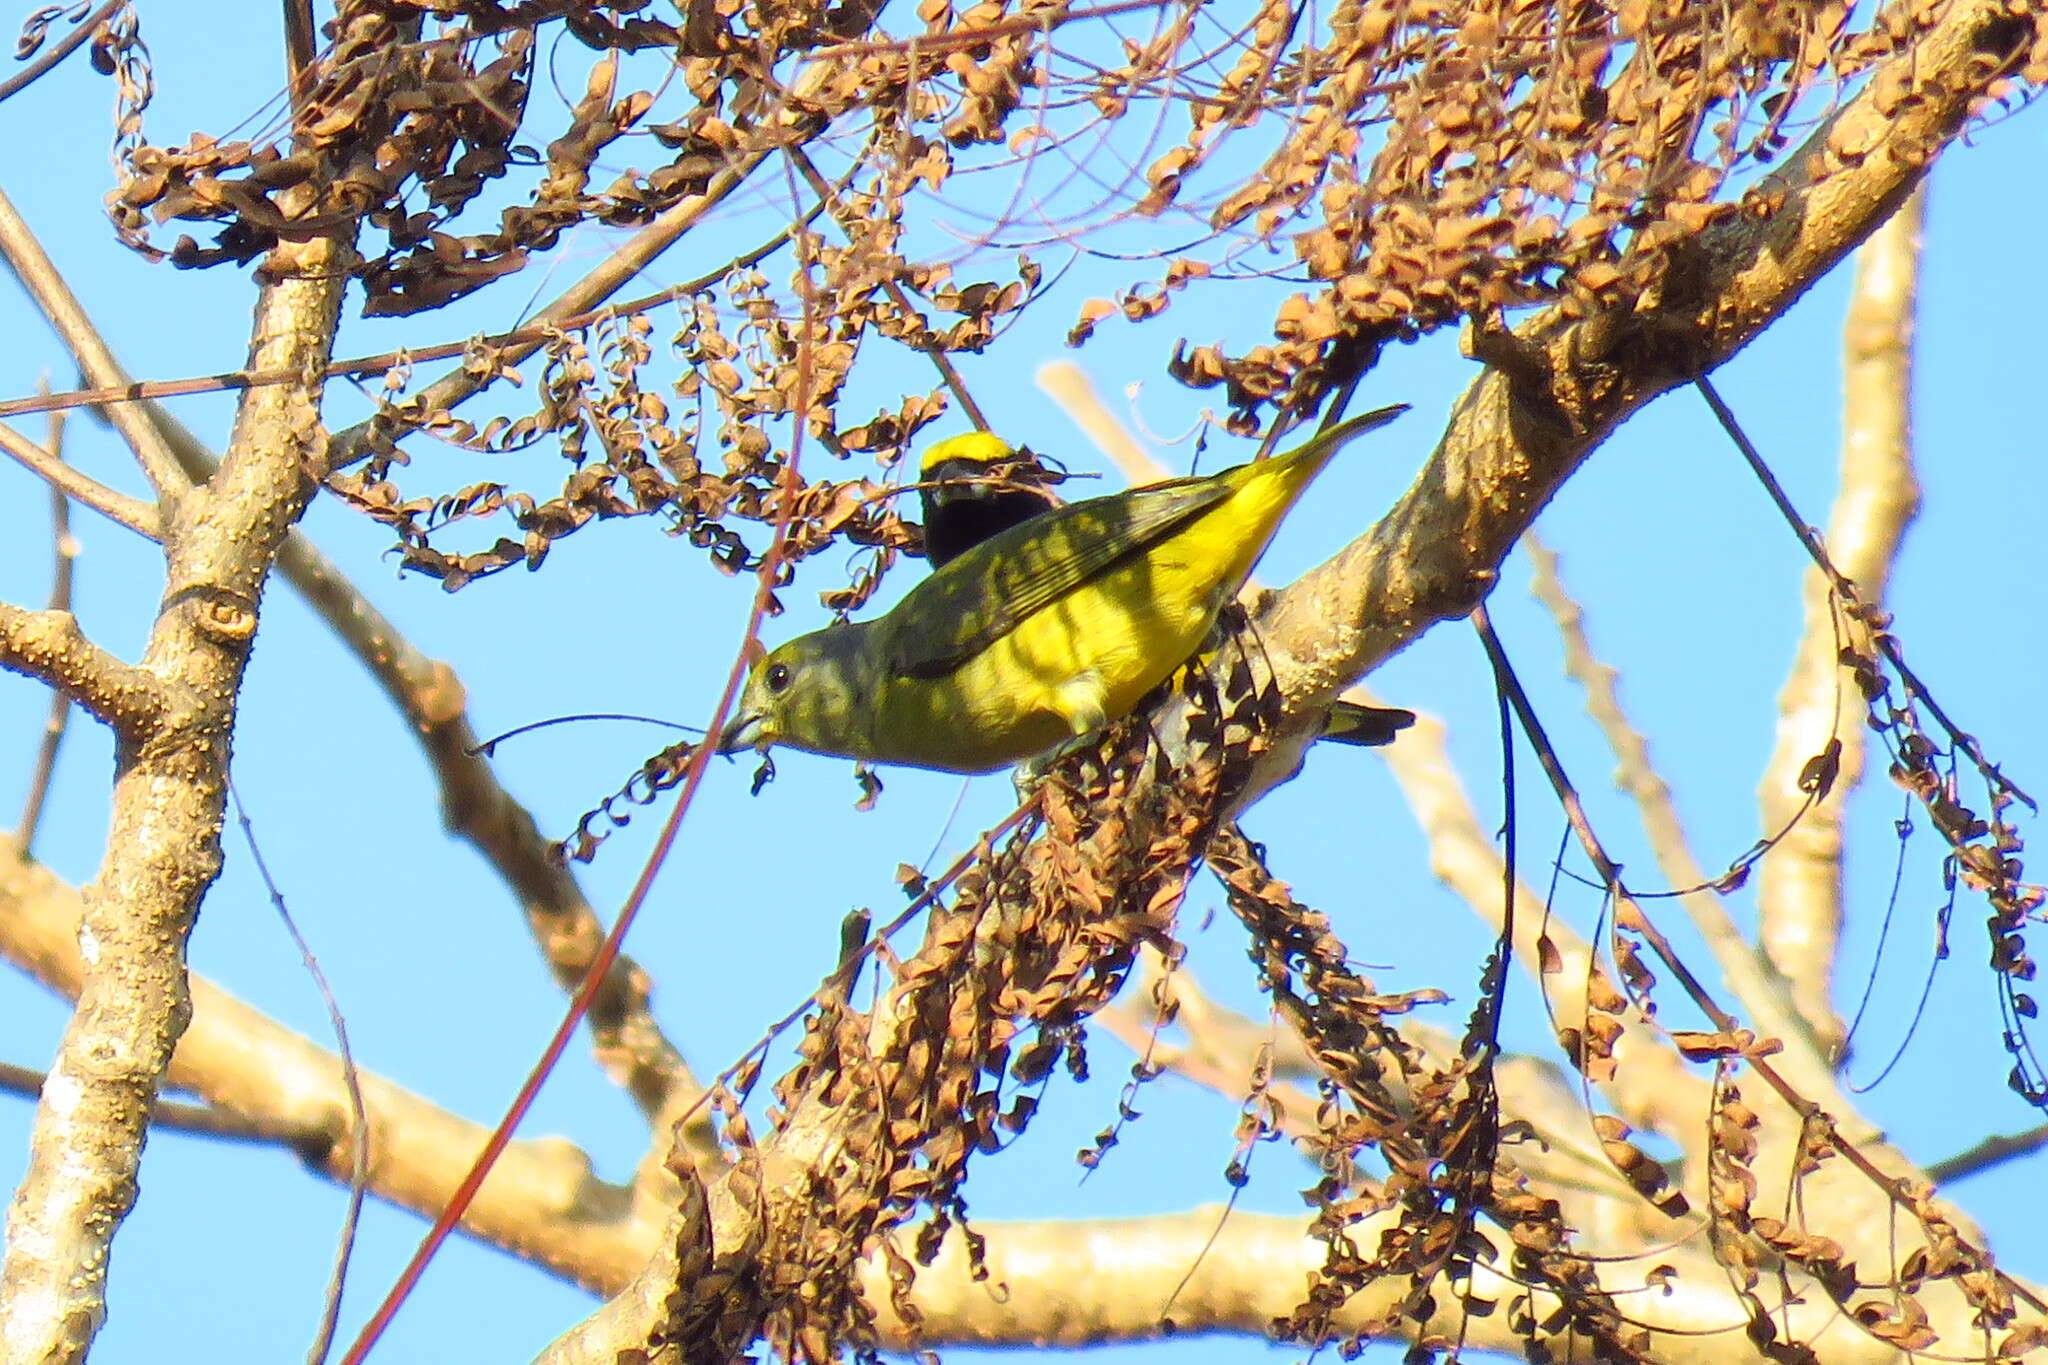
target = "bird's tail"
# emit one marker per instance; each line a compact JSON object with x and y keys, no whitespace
{"x":1365,"y":726}
{"x":1316,"y":451}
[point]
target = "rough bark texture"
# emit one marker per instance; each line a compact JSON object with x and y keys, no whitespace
{"x":163,"y":845}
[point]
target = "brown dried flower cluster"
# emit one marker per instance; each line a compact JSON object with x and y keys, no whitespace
{"x":1420,"y":163}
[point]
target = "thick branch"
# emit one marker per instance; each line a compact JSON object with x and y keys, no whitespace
{"x":1091,"y":1282}
{"x":1055,"y":1283}
{"x":542,"y":1202}
{"x":49,"y":646}
{"x":1514,"y":438}
{"x":163,"y":845}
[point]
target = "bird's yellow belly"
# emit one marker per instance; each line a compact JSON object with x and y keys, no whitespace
{"x":1120,"y":636}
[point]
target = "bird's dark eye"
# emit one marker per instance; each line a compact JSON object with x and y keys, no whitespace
{"x":777,"y":677}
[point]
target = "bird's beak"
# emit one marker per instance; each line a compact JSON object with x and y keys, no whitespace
{"x":745,"y":731}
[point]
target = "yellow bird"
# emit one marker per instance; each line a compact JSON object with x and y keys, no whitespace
{"x":1048,"y":630}
{"x":976,"y":485}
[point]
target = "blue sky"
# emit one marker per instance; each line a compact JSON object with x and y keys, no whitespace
{"x":1689,"y":583}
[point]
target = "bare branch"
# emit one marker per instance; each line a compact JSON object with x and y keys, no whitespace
{"x":1988,"y":1153}
{"x":136,"y":515}
{"x":199,"y":1120}
{"x":64,"y":550}
{"x":542,"y":1202}
{"x":38,"y":275}
{"x":1559,"y":385}
{"x":1067,"y":384}
{"x":47,"y":60}
{"x":48,"y":646}
{"x":1799,"y":896}
{"x":1058,"y":1283}
{"x":1750,"y":977}
{"x":1652,"y":1088}
{"x":628,"y":1042}
{"x":1090,"y":1282}
{"x":1870,"y":1179}
{"x":163,"y":846}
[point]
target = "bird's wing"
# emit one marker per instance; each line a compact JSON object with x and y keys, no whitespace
{"x":987,"y":592}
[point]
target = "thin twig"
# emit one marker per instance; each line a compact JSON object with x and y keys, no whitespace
{"x":828,"y":195}
{"x":608,"y":951}
{"x":1846,"y":590}
{"x":119,"y":508}
{"x":1629,"y":915}
{"x":544,"y":1200}
{"x":1988,"y":1153}
{"x":516,"y":344}
{"x":569,"y":309}
{"x":351,"y":1080}
{"x":38,"y":274}
{"x":59,"y":50}
{"x":629,"y":1043}
{"x":1799,"y":894}
{"x":64,"y":552}
{"x":1748,"y":973}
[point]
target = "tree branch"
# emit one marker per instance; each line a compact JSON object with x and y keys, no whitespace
{"x":1051,"y":1283}
{"x":1090,"y":1282}
{"x":1559,"y":385}
{"x":628,"y":1042}
{"x":24,"y":255}
{"x":163,"y":844}
{"x":136,"y":515}
{"x":47,"y":60}
{"x":1799,"y":895}
{"x":1988,"y":1153}
{"x":1752,"y":979}
{"x":64,"y":550}
{"x":199,"y":1120}
{"x":48,"y":646}
{"x":542,"y":1201}
{"x":611,"y":275}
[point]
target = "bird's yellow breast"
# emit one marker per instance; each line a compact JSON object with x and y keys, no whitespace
{"x":1130,"y":627}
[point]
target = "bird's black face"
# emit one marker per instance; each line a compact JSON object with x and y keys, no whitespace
{"x":969,"y":506}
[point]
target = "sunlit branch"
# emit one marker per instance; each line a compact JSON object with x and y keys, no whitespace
{"x":1751,"y":978}
{"x":1799,"y":895}
{"x":32,"y":266}
{"x":64,"y":551}
{"x":136,"y":515}
{"x":162,"y":849}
